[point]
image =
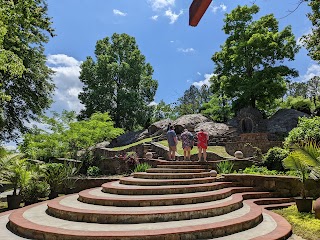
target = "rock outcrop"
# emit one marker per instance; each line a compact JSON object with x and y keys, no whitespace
{"x":159,"y":126}
{"x":189,"y":122}
{"x":212,"y":128}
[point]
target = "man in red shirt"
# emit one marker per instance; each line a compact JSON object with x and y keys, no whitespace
{"x":203,"y":138}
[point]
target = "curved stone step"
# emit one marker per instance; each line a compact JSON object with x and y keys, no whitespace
{"x":170,"y":175}
{"x":33,"y":222}
{"x":175,"y":170}
{"x":161,"y":182}
{"x":5,"y":233}
{"x":121,"y":189}
{"x":96,"y":196}
{"x":69,"y":208}
{"x":181,"y":166}
{"x":165,"y":162}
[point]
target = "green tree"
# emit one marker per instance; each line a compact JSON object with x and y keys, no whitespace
{"x":296,"y":89}
{"x":64,"y":136}
{"x":24,"y":28}
{"x":250,"y":66}
{"x":312,"y":40}
{"x":314,"y":89}
{"x":218,"y":109}
{"x":163,"y":111}
{"x":119,"y":81}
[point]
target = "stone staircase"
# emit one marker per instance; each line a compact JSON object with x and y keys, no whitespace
{"x":175,"y":201}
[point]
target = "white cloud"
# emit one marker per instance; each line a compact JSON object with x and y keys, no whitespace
{"x":172,"y":41}
{"x":160,"y":4}
{"x":186,"y":50}
{"x":205,"y":81}
{"x":66,"y":79}
{"x":153,"y":103}
{"x":118,"y":12}
{"x":313,"y":70}
{"x":221,"y":7}
{"x":199,"y":73}
{"x":172,"y":15}
{"x":155,"y":17}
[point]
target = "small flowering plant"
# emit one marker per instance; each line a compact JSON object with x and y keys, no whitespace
{"x":131,"y":159}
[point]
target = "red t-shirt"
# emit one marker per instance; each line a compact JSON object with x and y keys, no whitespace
{"x":202,"y":139}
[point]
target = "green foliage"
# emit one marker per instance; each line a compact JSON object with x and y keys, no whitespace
{"x":225,"y":167}
{"x":93,"y":171}
{"x":307,"y":129}
{"x":260,"y":171}
{"x":142,"y":167}
{"x":249,"y":66}
{"x":273,"y":159}
{"x":218,"y":109}
{"x":192,"y":100}
{"x":304,"y":225}
{"x":119,"y":81}
{"x":163,"y":111}
{"x":26,"y":86}
{"x":298,"y":103}
{"x":305,"y":156}
{"x":54,"y":176}
{"x":66,"y":137}
{"x":14,"y":170}
{"x":34,"y":190}
{"x":311,"y":40}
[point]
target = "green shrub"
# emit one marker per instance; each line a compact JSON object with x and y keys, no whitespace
{"x":307,"y":129}
{"x":142,"y":167}
{"x":260,"y":171}
{"x":93,"y":171}
{"x":35,"y":190}
{"x":273,"y":159}
{"x":299,"y":103}
{"x":225,"y":167}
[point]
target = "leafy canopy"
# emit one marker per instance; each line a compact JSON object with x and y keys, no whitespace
{"x":25,"y":79}
{"x":64,"y":136}
{"x":119,"y":81}
{"x":249,"y":68}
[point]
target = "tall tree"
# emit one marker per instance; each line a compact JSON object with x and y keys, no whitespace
{"x":24,"y":78}
{"x":193,"y":99}
{"x":163,"y":111}
{"x":119,"y":81}
{"x":312,"y":40}
{"x":250,"y":66}
{"x":296,"y":89}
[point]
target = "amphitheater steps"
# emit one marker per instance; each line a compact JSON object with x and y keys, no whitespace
{"x":161,"y":182}
{"x":175,"y":170}
{"x":160,"y":205}
{"x":121,"y":189}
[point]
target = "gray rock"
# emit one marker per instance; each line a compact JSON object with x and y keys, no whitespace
{"x":128,"y":138}
{"x":284,"y":120}
{"x":189,"y":122}
{"x":159,"y":126}
{"x":212,"y":128}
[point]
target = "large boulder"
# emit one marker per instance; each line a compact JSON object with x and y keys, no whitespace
{"x":212,"y":128}
{"x":160,"y":125}
{"x":128,"y":138}
{"x":284,"y":120}
{"x":189,"y":122}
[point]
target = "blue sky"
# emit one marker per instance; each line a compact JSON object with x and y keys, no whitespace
{"x":180,"y":54}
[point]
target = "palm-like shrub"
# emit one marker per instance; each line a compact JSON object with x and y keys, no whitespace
{"x":225,"y":167}
{"x":304,"y":159}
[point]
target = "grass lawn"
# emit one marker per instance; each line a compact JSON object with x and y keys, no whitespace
{"x":304,"y":225}
{"x":219,"y":150}
{"x":132,"y":144}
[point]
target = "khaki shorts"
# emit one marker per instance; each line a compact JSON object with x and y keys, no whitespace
{"x":173,"y":148}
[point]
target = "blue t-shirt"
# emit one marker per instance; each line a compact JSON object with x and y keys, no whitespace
{"x":171,"y":134}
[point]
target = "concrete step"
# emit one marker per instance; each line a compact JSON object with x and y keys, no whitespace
{"x":175,"y":170}
{"x":170,"y":175}
{"x":187,"y":166}
{"x":161,"y":182}
{"x":166,"y":162}
{"x":122,"y":189}
{"x":5,"y":233}
{"x":69,"y":208}
{"x":33,"y":222}
{"x":97,"y":197}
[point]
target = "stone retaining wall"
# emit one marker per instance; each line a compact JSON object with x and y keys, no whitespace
{"x":286,"y":186}
{"x":109,"y":152}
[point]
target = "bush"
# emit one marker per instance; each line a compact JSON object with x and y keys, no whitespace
{"x":273,"y":159}
{"x":93,"y":171}
{"x":142,"y":167}
{"x":299,"y":103}
{"x":225,"y":167}
{"x":307,"y":129}
{"x":35,"y":190}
